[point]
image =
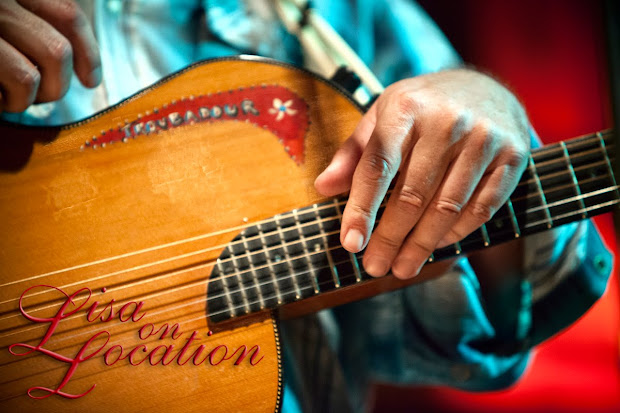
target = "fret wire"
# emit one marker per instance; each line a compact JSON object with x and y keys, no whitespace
{"x":609,"y":169}
{"x":354,"y":263}
{"x":246,"y":246}
{"x":529,"y":195}
{"x":344,"y":277}
{"x":542,"y":194}
{"x":574,"y":213}
{"x":198,"y":238}
{"x":457,"y":248}
{"x":530,"y":225}
{"x":513,"y":218}
{"x":528,"y":211}
{"x":569,"y":165}
{"x":342,"y":201}
{"x":315,"y":281}
{"x":559,"y":202}
{"x":239,"y":280}
{"x":231,"y":307}
{"x":288,"y":259}
{"x":609,"y":203}
{"x":535,"y":153}
{"x":545,"y":177}
{"x":560,"y":150}
{"x":328,"y":252}
{"x":580,"y":211}
{"x":558,"y":188}
{"x":485,"y":235}
{"x":574,"y":198}
{"x":585,"y":139}
{"x":356,"y":267}
{"x":276,"y":286}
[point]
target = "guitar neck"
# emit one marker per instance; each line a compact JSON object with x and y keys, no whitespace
{"x":296,"y":256}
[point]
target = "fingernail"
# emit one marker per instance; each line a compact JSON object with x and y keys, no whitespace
{"x":95,"y":76}
{"x":353,"y":241}
{"x":405,"y":268}
{"x":376,"y":266}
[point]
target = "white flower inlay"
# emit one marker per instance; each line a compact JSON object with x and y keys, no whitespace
{"x":282,"y":108}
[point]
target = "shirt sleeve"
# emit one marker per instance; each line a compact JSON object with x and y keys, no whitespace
{"x":438,"y":332}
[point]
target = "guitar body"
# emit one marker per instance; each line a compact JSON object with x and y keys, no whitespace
{"x":129,"y":210}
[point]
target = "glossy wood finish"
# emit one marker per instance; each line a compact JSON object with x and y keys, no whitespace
{"x":146,"y":219}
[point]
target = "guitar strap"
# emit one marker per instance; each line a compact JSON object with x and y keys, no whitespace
{"x":325,"y":51}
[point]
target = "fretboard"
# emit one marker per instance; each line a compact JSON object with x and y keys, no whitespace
{"x":297,"y":255}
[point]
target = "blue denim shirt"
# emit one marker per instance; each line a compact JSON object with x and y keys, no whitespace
{"x":436,"y":332}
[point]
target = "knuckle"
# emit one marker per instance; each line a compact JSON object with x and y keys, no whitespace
{"x":378,"y":167}
{"x":402,"y":107}
{"x":25,"y":84}
{"x":59,"y":51}
{"x":482,"y":140}
{"x":362,"y":211}
{"x":517,"y":157}
{"x":407,"y":102}
{"x":416,"y":244}
{"x":388,"y":240}
{"x":68,"y":12}
{"x":482,"y":212}
{"x":27,"y":79}
{"x":410,"y":198}
{"x":448,"y":207}
{"x":9,"y":8}
{"x":454,"y":235}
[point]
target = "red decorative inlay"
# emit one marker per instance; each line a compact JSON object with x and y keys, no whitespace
{"x":271,"y":107}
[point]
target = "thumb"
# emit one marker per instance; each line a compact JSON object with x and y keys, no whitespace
{"x":337,"y":177}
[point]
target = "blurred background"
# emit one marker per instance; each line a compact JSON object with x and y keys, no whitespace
{"x":551,"y":53}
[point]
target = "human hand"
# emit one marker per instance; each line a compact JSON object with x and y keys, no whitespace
{"x":41,"y":43}
{"x":460,"y":143}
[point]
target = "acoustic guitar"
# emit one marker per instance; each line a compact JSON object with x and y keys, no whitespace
{"x":147,"y":252}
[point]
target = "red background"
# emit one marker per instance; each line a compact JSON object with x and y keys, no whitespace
{"x":551,"y":53}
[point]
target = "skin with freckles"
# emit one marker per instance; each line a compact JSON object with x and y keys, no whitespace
{"x":42,"y":43}
{"x":459,"y":143}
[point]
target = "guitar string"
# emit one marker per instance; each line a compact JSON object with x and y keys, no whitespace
{"x":281,"y":231}
{"x":307,"y":256}
{"x":116,"y":323}
{"x":344,"y":276}
{"x":533,"y":195}
{"x":579,"y":212}
{"x":330,"y":282}
{"x":285,"y":245}
{"x":588,"y":139}
{"x":304,"y":255}
{"x":319,"y":207}
{"x":311,"y":223}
